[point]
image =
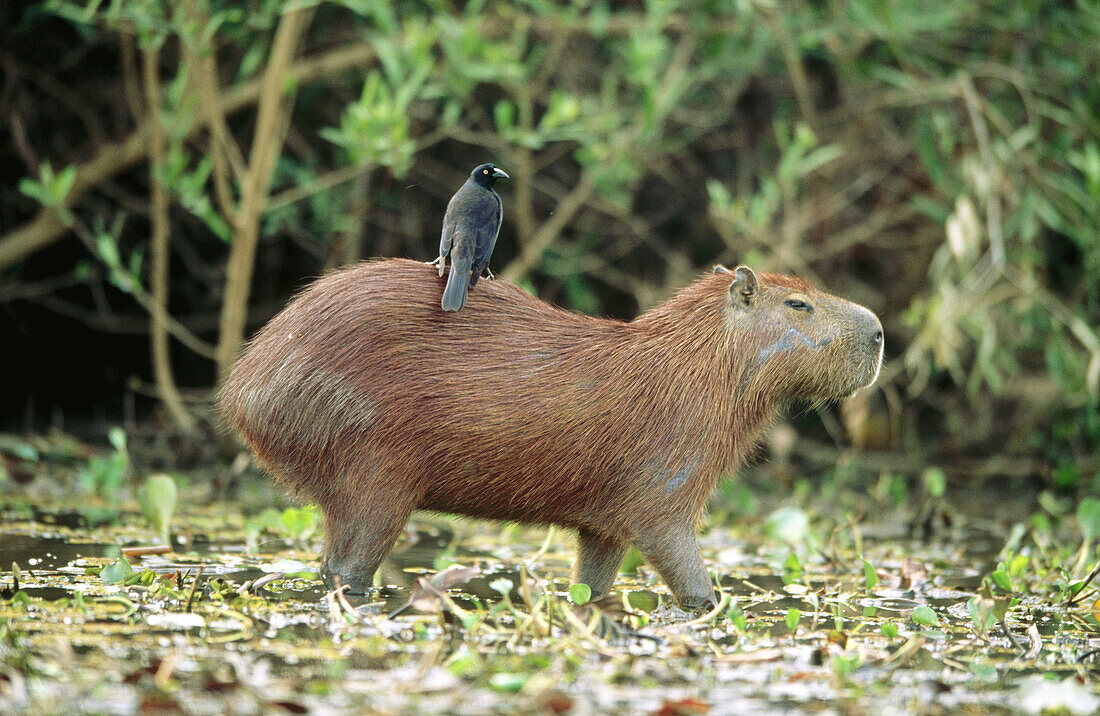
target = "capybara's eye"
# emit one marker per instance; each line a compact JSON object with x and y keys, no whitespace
{"x":797,"y":304}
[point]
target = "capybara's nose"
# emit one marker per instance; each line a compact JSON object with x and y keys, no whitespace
{"x":872,"y":329}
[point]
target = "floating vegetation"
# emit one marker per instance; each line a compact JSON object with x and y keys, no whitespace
{"x":475,"y":617}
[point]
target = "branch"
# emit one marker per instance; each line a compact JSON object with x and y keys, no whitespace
{"x":531,"y":253}
{"x":46,"y":227}
{"x":272,"y":117}
{"x":222,"y":148}
{"x":160,"y":349}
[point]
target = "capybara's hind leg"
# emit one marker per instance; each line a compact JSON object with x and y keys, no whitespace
{"x":361,"y":529}
{"x":598,"y":561}
{"x":674,"y":552}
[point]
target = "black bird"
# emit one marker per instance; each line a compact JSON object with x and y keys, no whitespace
{"x":470,"y":229}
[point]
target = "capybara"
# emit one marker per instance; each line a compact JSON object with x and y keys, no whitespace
{"x":364,"y":397}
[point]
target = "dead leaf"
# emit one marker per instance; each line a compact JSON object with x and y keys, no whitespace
{"x":426,"y":593}
{"x":683,"y":707}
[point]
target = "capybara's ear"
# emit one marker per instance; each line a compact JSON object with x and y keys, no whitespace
{"x":719,"y":268}
{"x":744,"y":287}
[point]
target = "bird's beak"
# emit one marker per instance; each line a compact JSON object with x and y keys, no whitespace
{"x":500,"y":174}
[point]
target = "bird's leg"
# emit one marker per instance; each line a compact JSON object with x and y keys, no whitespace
{"x":440,"y":263}
{"x":489,"y":271}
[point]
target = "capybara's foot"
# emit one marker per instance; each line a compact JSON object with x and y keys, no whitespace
{"x":698,"y":602}
{"x":357,"y":583}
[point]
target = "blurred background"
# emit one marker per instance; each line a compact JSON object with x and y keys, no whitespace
{"x":170,"y":173}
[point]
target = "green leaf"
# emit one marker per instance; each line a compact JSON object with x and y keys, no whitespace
{"x":794,"y":616}
{"x":62,"y":185}
{"x":788,"y":524}
{"x":1088,"y":517}
{"x":507,"y":682}
{"x":1000,"y":578}
{"x":935,"y":481}
{"x":33,"y":189}
{"x":116,"y":572}
{"x":889,"y":630}
{"x":642,"y":601}
{"x":158,"y":499}
{"x":504,"y":115}
{"x":792,"y":569}
{"x":870,"y":577}
{"x":925,"y":616}
{"x":580,"y":594}
{"x":737,"y":617}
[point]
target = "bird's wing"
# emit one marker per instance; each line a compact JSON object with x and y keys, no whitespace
{"x":451,"y":218}
{"x":446,"y":238}
{"x":488,"y":230}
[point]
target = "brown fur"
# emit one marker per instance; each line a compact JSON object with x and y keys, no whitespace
{"x":363,"y":396}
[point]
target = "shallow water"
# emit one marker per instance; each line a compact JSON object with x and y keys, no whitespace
{"x":73,"y":642}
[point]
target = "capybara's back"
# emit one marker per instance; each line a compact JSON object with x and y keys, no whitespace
{"x":363,"y":396}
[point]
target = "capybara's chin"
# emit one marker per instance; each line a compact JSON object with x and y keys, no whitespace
{"x":364,"y":397}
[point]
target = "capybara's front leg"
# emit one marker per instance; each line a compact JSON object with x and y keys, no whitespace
{"x":674,"y":552}
{"x":356,"y":542}
{"x":598,"y":560}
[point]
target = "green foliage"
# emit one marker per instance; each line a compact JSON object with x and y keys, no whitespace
{"x":104,"y":475}
{"x":870,"y":577}
{"x":158,"y":502}
{"x":116,"y":572}
{"x":1088,"y":518}
{"x":50,"y":189}
{"x":792,"y":569}
{"x":301,"y":522}
{"x":737,"y":617}
{"x":789,"y":525}
{"x":375,"y":130}
{"x":580,"y":594}
{"x":793,"y":619}
{"x":981,"y":613}
{"x":925,"y":616}
{"x":935,"y":481}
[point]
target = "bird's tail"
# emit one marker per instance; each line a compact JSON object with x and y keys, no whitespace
{"x":458,"y":280}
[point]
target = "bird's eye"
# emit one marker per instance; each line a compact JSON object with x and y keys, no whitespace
{"x":797,"y":305}
{"x":484,"y":171}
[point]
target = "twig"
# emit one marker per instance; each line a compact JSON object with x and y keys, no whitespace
{"x":139,"y":552}
{"x":271,"y":119}
{"x":177,"y":329}
{"x":1012,"y":637}
{"x":191,"y":593}
{"x":223,"y":150}
{"x":1092,"y":575}
{"x":158,"y":243}
{"x":718,"y":609}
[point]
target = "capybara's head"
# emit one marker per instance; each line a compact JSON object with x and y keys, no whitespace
{"x":801,"y":343}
